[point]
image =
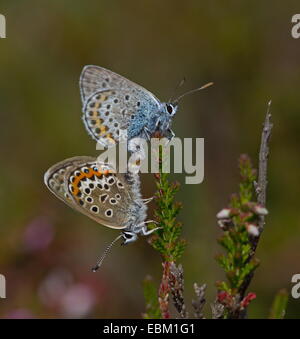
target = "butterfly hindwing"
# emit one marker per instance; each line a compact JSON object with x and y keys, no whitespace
{"x":100,"y":193}
{"x":54,"y":177}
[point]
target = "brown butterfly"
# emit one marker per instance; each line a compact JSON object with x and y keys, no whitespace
{"x":95,"y":189}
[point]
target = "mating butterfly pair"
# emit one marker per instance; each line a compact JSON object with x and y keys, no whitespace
{"x":113,"y":107}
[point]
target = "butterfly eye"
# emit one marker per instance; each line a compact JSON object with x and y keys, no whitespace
{"x":170,"y":109}
{"x":127,"y":235}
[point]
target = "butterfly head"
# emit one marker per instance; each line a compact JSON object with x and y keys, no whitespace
{"x":129,"y":237}
{"x":167,"y":113}
{"x":170,"y":108}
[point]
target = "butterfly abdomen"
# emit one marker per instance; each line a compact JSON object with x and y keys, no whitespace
{"x":137,"y":215}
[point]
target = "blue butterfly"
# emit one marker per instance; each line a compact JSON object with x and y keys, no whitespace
{"x":115,"y":107}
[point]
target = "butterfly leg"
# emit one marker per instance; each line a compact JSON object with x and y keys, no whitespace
{"x":171,"y":135}
{"x":146,"y":232}
{"x":146,"y":201}
{"x":147,"y":132}
{"x":157,"y":123}
{"x":149,"y":222}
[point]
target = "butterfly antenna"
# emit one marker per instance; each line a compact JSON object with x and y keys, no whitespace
{"x":99,"y":263}
{"x":193,"y":91}
{"x":180,"y":83}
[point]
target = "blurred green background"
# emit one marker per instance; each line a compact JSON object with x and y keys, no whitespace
{"x":245,"y":47}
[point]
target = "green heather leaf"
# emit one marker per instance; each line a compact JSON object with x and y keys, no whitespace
{"x":279,"y":305}
{"x":151,"y":300}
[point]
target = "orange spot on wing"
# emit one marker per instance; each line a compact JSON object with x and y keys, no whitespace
{"x":80,"y":177}
{"x":103,"y":129}
{"x":110,"y":138}
{"x":76,"y":182}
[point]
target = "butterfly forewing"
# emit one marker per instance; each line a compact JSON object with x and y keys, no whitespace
{"x":111,"y":102}
{"x":95,"y":78}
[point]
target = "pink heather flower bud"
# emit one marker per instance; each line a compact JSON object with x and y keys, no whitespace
{"x":157,"y":176}
{"x":224,"y":213}
{"x":252,"y":230}
{"x":260,"y":210}
{"x":246,"y":301}
{"x":223,"y":296}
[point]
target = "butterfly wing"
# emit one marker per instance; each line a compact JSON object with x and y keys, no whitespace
{"x":102,"y":194}
{"x":95,"y":78}
{"x":54,"y":177}
{"x":111,"y":102}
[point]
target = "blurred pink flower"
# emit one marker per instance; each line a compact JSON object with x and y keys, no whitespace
{"x":78,"y":301}
{"x":19,"y":313}
{"x":54,"y":286}
{"x":39,"y":234}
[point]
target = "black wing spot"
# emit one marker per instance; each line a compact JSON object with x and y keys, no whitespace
{"x":94,"y":209}
{"x":103,"y":197}
{"x":109,"y":213}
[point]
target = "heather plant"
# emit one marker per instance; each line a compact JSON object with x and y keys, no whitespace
{"x":241,"y":223}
